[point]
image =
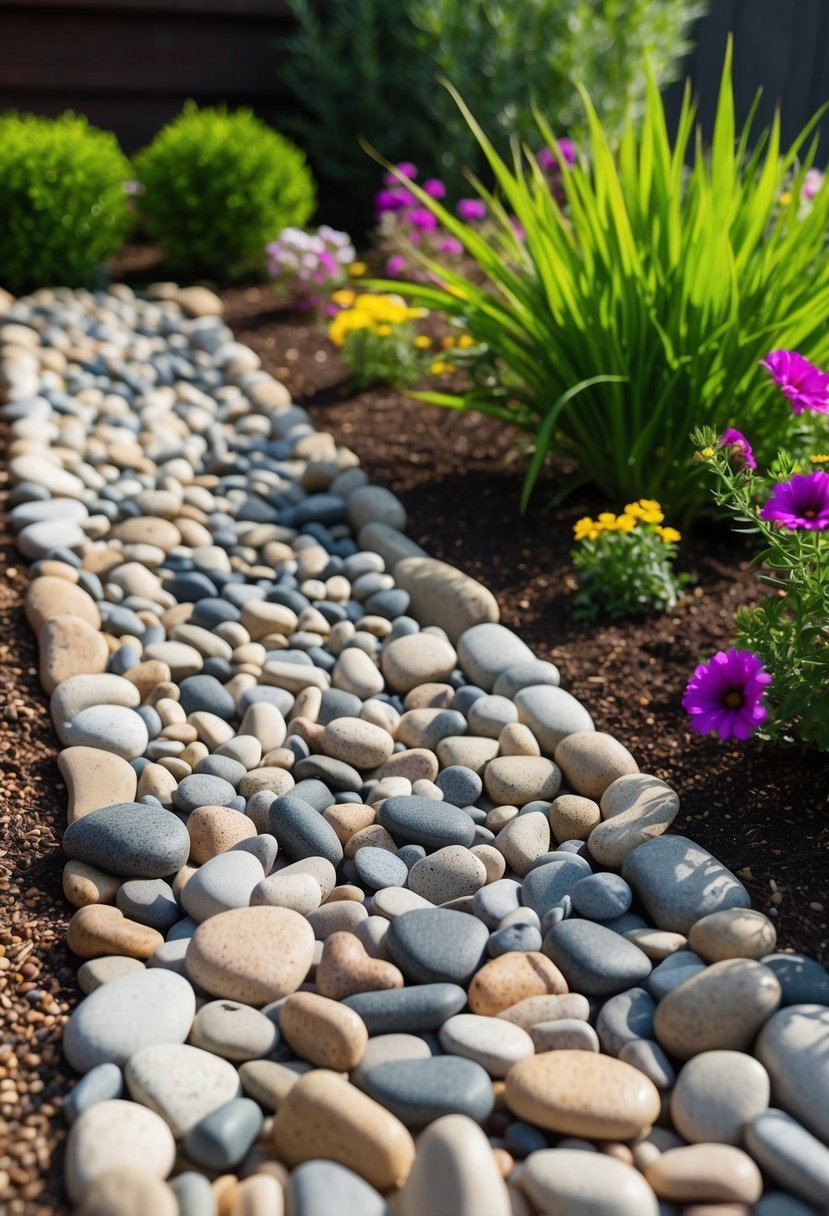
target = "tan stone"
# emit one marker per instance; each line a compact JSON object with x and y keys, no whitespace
{"x":720,"y":1008}
{"x":322,"y":1031}
{"x":430,"y":696}
{"x":524,"y":839}
{"x":538,"y":1010}
{"x":580,"y":1182}
{"x":267,"y":1082}
{"x":717,"y":1094}
{"x":357,"y":742}
{"x":348,"y":818}
{"x":518,"y":780}
{"x":592,"y":760}
{"x":98,"y":971}
{"x":127,"y":1191}
{"x":455,"y":1173}
{"x":373,"y":836}
{"x":471,"y":751}
{"x":69,"y":647}
{"x":94,"y":779}
{"x":84,"y":884}
{"x":345,"y":968}
{"x":48,"y":597}
{"x":516,"y":739}
{"x":636,"y":808}
{"x":415,"y":764}
{"x":342,"y":916}
{"x":511,"y":978}
{"x":582,"y":1093}
{"x":258,"y":1195}
{"x":299,"y":892}
{"x":159,"y":782}
{"x":324,"y":1116}
{"x":99,"y":929}
{"x":417,"y":658}
{"x":147,"y":530}
{"x":114,"y":1134}
{"x":708,"y":1172}
{"x":215,"y":829}
{"x":261,"y":618}
{"x":276,"y":780}
{"x":732,"y":933}
{"x":441,"y":595}
{"x":657,"y":944}
{"x":493,"y":861}
{"x":573,"y":817}
{"x":252,"y":955}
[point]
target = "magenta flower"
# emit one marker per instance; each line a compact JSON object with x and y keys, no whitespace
{"x":423,"y":219}
{"x":471,"y":209}
{"x":406,"y":168}
{"x":548,"y":160}
{"x":800,"y":502}
{"x":724,"y":695}
{"x":387,"y":200}
{"x":450,"y":244}
{"x":806,"y":386}
{"x":567,"y":149}
{"x":395,"y":265}
{"x":739,"y":447}
{"x":434,"y":188}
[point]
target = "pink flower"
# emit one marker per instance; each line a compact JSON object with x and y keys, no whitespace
{"x":395,"y":265}
{"x":450,"y":244}
{"x":739,"y":447}
{"x":800,"y":502}
{"x":471,"y":209}
{"x":423,"y":219}
{"x":567,"y":149}
{"x":812,"y":183}
{"x":406,"y":168}
{"x":434,"y":188}
{"x":548,"y":160}
{"x":724,"y":695}
{"x":806,"y":386}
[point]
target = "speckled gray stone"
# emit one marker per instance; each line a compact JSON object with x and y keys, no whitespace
{"x":223,"y":1138}
{"x":417,"y":1008}
{"x":673,"y":971}
{"x":324,"y":1188}
{"x":624,"y":1018}
{"x":525,"y":675}
{"x":380,"y":868}
{"x":130,"y":839}
{"x":796,"y":1159}
{"x":194,"y":1194}
{"x":412,"y":820}
{"x":551,"y":714}
{"x":679,"y":882}
{"x":595,"y":960}
{"x":200,"y":789}
{"x":461,"y":786}
{"x":336,"y":774}
{"x":601,"y":897}
{"x":548,"y":883}
{"x":301,"y":830}
{"x":513,"y":938}
{"x":803,"y":981}
{"x":495,"y":901}
{"x":487,"y":650}
{"x":224,"y":882}
{"x":420,"y":1091}
{"x":434,"y":945}
{"x":150,"y":901}
{"x":101,"y":1083}
{"x":794,"y":1048}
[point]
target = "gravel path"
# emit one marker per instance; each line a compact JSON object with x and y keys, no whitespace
{"x":373,"y":917}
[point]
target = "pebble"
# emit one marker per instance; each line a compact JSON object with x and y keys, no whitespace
{"x":181,"y":1083}
{"x":222,"y":883}
{"x":95,"y":930}
{"x":793,"y":1157}
{"x":98,"y":971}
{"x":301,"y":831}
{"x":322,"y":1031}
{"x":300,"y":892}
{"x":439,"y":594}
{"x":111,"y":727}
{"x":601,"y":897}
{"x":420,"y":658}
{"x":716,"y":1094}
{"x":324,"y":1116}
{"x":595,"y":960}
{"x":48,"y":597}
{"x":448,"y":874}
{"x":573,"y":817}
{"x":420,"y":1091}
{"x":493,"y":1044}
{"x":582,"y":1093}
{"x":215,"y":829}
{"x":547,"y":883}
{"x":625,"y":1018}
{"x":487,"y":650}
{"x":710,"y":1173}
{"x":324,"y":1188}
{"x":356,"y":742}
{"x":401,"y":1010}
{"x":69,"y":647}
{"x":574,"y":1182}
{"x":721,"y":1008}
{"x":732,"y":933}
{"x":533,"y":1010}
{"x":592,"y":760}
{"x":412,"y":820}
{"x":505,"y":981}
{"x":517,"y":780}
{"x":793,"y":1048}
{"x":127,"y":1191}
{"x":233,"y":1031}
{"x":252,"y":955}
{"x":679,"y":882}
{"x":150,"y":901}
{"x":112,"y":1135}
{"x":636,"y":808}
{"x":378,"y":867}
{"x":803,"y":980}
{"x":565,"y":1034}
{"x":100,"y":1084}
{"x":551,"y":714}
{"x":225,"y":1136}
{"x":436,"y":945}
{"x":130,"y":839}
{"x":94,"y":779}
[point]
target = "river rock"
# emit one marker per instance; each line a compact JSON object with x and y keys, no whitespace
{"x":708,"y":1172}
{"x":454,"y":1173}
{"x":790,"y":1154}
{"x":551,"y":714}
{"x":324,"y":1188}
{"x":449,"y":873}
{"x":439,"y":593}
{"x":420,"y":658}
{"x":486,"y":650}
{"x":233,"y":1031}
{"x":181,"y":1083}
{"x":95,"y":779}
{"x":435,"y":945}
{"x":68,"y":647}
{"x":252,"y":955}
{"x":794,"y":1047}
{"x":505,"y":981}
{"x":224,"y":1137}
{"x":130,"y":839}
{"x":112,"y":1135}
{"x":487,"y":1041}
{"x":592,"y":760}
{"x":721,"y":1008}
{"x":420,"y":1091}
{"x":222,"y":883}
{"x":517,"y":780}
{"x":636,"y":808}
{"x":48,"y":597}
{"x":574,"y":1182}
{"x":412,"y":820}
{"x":717,"y":1094}
{"x":322,"y":1031}
{"x":732,"y":933}
{"x":594,"y":959}
{"x":679,"y":882}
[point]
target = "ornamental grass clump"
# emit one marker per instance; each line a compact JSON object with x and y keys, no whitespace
{"x":625,"y":563}
{"x":785,"y":505}
{"x":217,"y":186}
{"x":613,"y":324}
{"x":63,"y":203}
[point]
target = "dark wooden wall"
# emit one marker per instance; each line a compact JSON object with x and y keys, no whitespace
{"x":130,"y":65}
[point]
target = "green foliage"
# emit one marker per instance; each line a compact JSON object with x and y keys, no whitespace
{"x":788,"y":627}
{"x":673,"y":281}
{"x":625,"y":570}
{"x":63,"y":208}
{"x":368,"y":68}
{"x":375,"y":358}
{"x":217,"y":187}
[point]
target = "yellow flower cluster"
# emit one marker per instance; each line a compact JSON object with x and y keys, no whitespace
{"x":820,"y":458}
{"x":377,"y":313}
{"x":645,"y":511}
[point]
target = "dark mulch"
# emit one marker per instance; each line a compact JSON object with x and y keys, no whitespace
{"x":761,"y":811}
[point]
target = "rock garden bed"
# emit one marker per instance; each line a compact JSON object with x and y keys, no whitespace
{"x":588,"y":988}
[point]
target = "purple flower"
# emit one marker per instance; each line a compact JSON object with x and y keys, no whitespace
{"x":806,"y":386}
{"x":567,"y":149}
{"x":434,"y":188}
{"x":724,"y":695}
{"x":800,"y":502}
{"x":739,"y":447}
{"x":395,"y":265}
{"x":406,"y":168}
{"x":471,"y":209}
{"x":450,"y":244}
{"x":548,"y":160}
{"x":423,"y":219}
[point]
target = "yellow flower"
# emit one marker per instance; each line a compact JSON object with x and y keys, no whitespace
{"x":707,"y":453}
{"x":439,"y":367}
{"x":447,"y":343}
{"x":344,"y":322}
{"x":344,"y":297}
{"x":647,"y":510}
{"x":356,"y":269}
{"x":607,"y":520}
{"x":625,"y":523}
{"x":465,"y":341}
{"x":421,"y":342}
{"x":820,"y":458}
{"x":586,"y":529}
{"x":669,"y":535}
{"x":384,"y":330}
{"x":786,"y":197}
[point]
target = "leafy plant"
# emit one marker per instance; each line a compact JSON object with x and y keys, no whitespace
{"x":377,"y":339}
{"x":368,"y":69}
{"x":217,"y":186}
{"x":63,"y":205}
{"x":625,"y":563}
{"x":642,"y":307}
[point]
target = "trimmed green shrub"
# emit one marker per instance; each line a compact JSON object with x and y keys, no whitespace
{"x":63,"y":207}
{"x":217,"y":187}
{"x":368,"y":68}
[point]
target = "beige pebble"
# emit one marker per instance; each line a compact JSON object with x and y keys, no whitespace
{"x":101,"y":929}
{"x":348,"y":818}
{"x":48,"y":597}
{"x":128,"y":1191}
{"x":564,"y":1034}
{"x":149,"y":530}
{"x":592,"y":760}
{"x":374,"y":836}
{"x":322,"y":1031}
{"x":493,"y":1044}
{"x":516,"y":739}
{"x":266,"y":724}
{"x":521,"y":779}
{"x":430,"y":696}
{"x":85,"y":884}
{"x":732,"y":933}
{"x":636,"y":808}
{"x":69,"y":646}
{"x":245,"y":748}
{"x":390,"y":1048}
{"x":720,"y":1008}
{"x":212,"y":730}
{"x":573,"y":817}
{"x":215,"y":829}
{"x":523,"y":840}
{"x":534,"y":1010}
{"x":319,"y":868}
{"x":258,"y":1195}
{"x":511,"y":978}
{"x":391,"y":902}
{"x":582,"y":1093}
{"x":471,"y":751}
{"x":324,"y":1116}
{"x":233,"y":1031}
{"x":145,"y":676}
{"x":299,"y":892}
{"x":346,"y":968}
{"x":454,"y":1174}
{"x":80,"y":692}
{"x":499,"y":817}
{"x":97,"y":971}
{"x":716,"y":1094}
{"x":252,"y":955}
{"x":307,"y":704}
{"x":493,"y":862}
{"x":657,"y":944}
{"x":112,"y":1135}
{"x":340,"y":917}
{"x":293,"y":677}
{"x":447,"y":874}
{"x":415,"y":764}
{"x":182,"y":1084}
{"x":417,"y":658}
{"x":182,"y":660}
{"x":574,"y":1182}
{"x":267,"y":1082}
{"x":158,"y":781}
{"x":357,"y":673}
{"x":708,"y":1172}
{"x":276,"y":781}
{"x":357,"y":742}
